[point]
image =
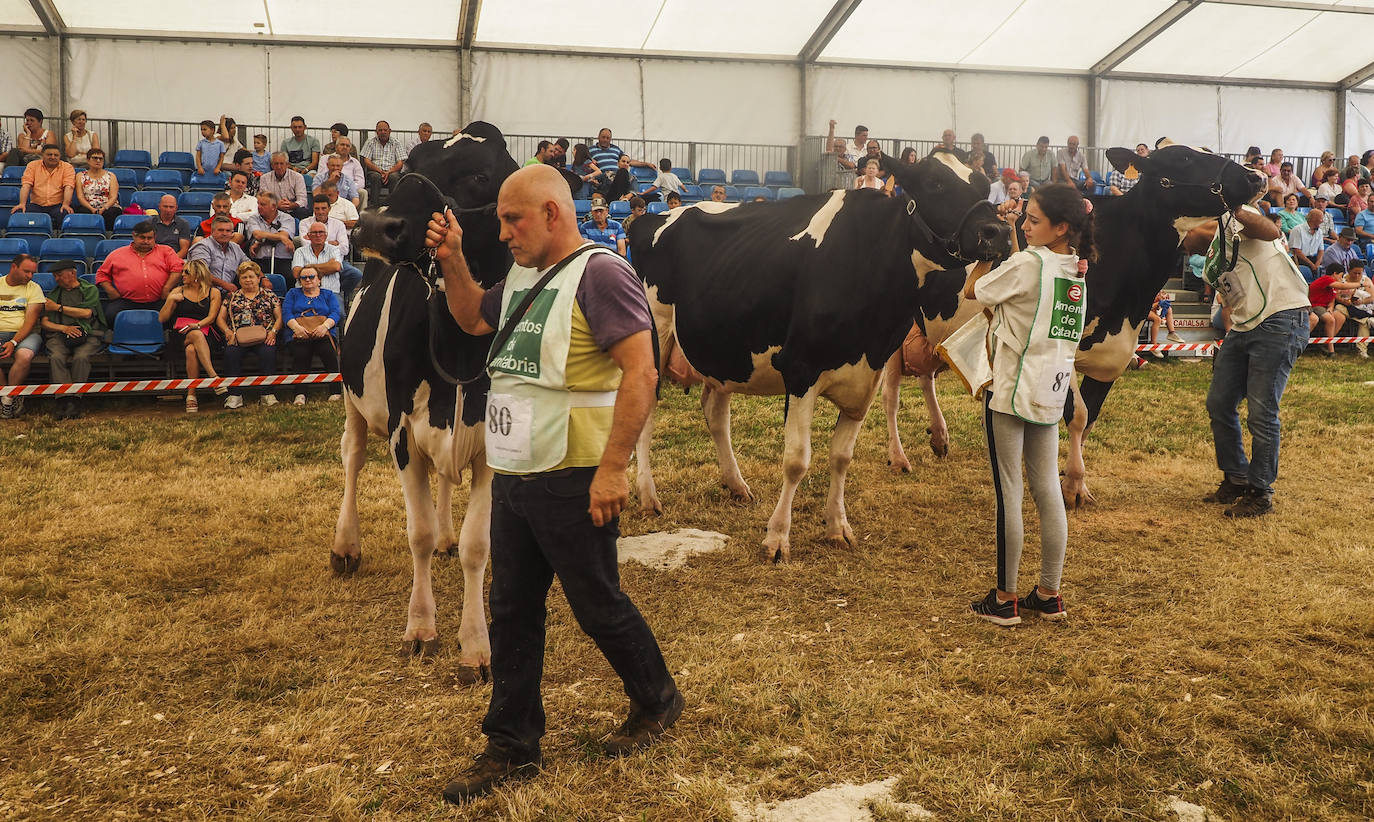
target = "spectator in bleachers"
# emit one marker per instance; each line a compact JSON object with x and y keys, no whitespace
{"x":74,"y":327}
{"x":607,"y":155}
{"x":47,"y":185}
{"x":665,"y":181}
{"x":1358,"y":305}
{"x":139,"y":275}
{"x":262,"y":161}
{"x":978,"y":147}
{"x":1342,"y":252}
{"x":558,"y":154}
{"x":845,"y":156}
{"x":602,"y":230}
{"x":1363,"y":223}
{"x":220,"y":254}
{"x":622,"y":185}
{"x":1290,"y":218}
{"x":947,"y":144}
{"x":1038,"y":163}
{"x":1322,"y":296}
{"x":97,"y":190}
{"x":1326,"y":166}
{"x":382,"y":157}
{"x":422,"y":135}
{"x":638,"y":208}
{"x":228,"y":135}
{"x":319,"y":255}
{"x":672,"y":200}
{"x":1162,"y":315}
{"x":1252,"y":154}
{"x":1120,"y":182}
{"x":1071,"y":166}
{"x":241,"y":203}
{"x":1330,"y":184}
{"x":21,"y":304}
{"x":249,"y":323}
{"x":873,"y":151}
{"x":171,"y":230}
{"x":302,"y":150}
{"x":333,"y":173}
{"x":31,"y":139}
{"x":219,"y":207}
{"x":336,"y":234}
{"x":997,"y":192}
{"x":243,"y":161}
{"x":1285,"y":183}
{"x":339,"y":208}
{"x":1275,"y":164}
{"x":1367,"y":164}
{"x":6,"y":146}
{"x":1359,"y":201}
{"x":209,"y":151}
{"x":352,"y":168}
{"x":287,"y":185}
{"x":311,"y":314}
{"x":584,"y":168}
{"x":908,"y":157}
{"x":870,"y":179}
{"x":541,"y":154}
{"x":335,"y":132}
{"x":78,"y":141}
{"x":1305,"y":242}
{"x":1328,"y":227}
{"x":269,"y":235}
{"x":192,"y":309}
{"x":858,"y":148}
{"x":718,"y":193}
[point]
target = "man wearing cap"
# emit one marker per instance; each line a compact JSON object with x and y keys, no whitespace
{"x":21,"y":302}
{"x":602,"y":230}
{"x":1038,"y":163}
{"x":997,"y":192}
{"x":1342,"y":252}
{"x":74,"y":326}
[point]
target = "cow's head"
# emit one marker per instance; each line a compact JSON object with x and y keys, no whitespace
{"x":948,"y":200}
{"x":1187,"y":183}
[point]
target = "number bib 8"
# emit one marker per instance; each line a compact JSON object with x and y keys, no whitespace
{"x":510,"y":422}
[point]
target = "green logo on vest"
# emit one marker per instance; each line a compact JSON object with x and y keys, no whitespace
{"x":1070,"y":307}
{"x":520,"y":356}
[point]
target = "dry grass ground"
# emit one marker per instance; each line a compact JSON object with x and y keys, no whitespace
{"x":172,"y":645}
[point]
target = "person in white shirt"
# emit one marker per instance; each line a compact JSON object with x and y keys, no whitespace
{"x":336,"y":234}
{"x":242,"y":205}
{"x":665,"y":181}
{"x":339,"y":208}
{"x":318,"y":254}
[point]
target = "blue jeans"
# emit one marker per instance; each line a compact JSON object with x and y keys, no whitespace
{"x":349,"y":277}
{"x":1254,"y":366}
{"x":540,"y":527}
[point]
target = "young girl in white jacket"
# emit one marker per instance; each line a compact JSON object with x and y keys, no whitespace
{"x":1038,"y":302}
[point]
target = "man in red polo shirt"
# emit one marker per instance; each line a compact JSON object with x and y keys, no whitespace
{"x":221,"y":204}
{"x":140,"y":275}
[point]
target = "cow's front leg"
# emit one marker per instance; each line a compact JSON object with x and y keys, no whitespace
{"x":474,"y":549}
{"x":644,"y":470}
{"x":347,"y":554}
{"x":939,"y":432}
{"x":446,"y":543}
{"x":841,"y":454}
{"x":422,"y":530}
{"x":715,"y":404}
{"x":796,"y":458}
{"x":892,"y":405}
{"x":1074,"y":484}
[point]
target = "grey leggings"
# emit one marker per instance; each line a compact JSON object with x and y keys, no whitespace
{"x":1009,"y":439}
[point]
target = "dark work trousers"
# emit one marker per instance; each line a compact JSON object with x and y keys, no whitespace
{"x":540,"y":527}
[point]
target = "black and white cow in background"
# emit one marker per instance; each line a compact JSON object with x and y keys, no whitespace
{"x":806,"y":297}
{"x":1136,"y":238}
{"x":398,"y":355}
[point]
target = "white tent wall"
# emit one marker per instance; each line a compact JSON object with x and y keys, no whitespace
{"x":165,"y":80}
{"x":721,"y":102}
{"x":26,"y":63}
{"x":402,"y":86}
{"x":1359,"y":123}
{"x":1299,"y":121}
{"x":570,"y":95}
{"x":1012,"y":108}
{"x":893,"y":103}
{"x":1130,"y":112}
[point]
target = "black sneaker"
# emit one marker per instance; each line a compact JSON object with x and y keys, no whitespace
{"x":488,"y":769}
{"x":6,"y":408}
{"x":997,"y":612}
{"x":640,"y":728}
{"x":1254,"y":503}
{"x":1052,"y":608}
{"x":1226,"y":493}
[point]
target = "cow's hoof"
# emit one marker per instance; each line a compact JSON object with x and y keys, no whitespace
{"x":845,"y":540}
{"x":939,"y":445}
{"x":450,"y":551}
{"x":473,"y":674}
{"x":777,"y":551}
{"x":902,"y":466}
{"x":423,"y":649}
{"x":741,"y":494}
{"x":344,"y":566}
{"x":655,"y":508}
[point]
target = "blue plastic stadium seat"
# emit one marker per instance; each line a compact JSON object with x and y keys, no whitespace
{"x":133,"y":158}
{"x":45,"y":281}
{"x":642,"y":174}
{"x":777,"y":179}
{"x":744,"y":177}
{"x":657,"y":208}
{"x":148,"y":199}
{"x":692,"y":193}
{"x":211,"y":182}
{"x":710,"y":176}
{"x":176,"y":159}
{"x":83,"y":224}
{"x":88,"y":277}
{"x":62,"y":248}
{"x":620,"y":208}
{"x":582,"y":207}
{"x":753,"y":192}
{"x":683,"y":174}
{"x":4,"y":219}
{"x":10,"y":247}
{"x":731,"y":194}
{"x":127,"y":177}
{"x":137,"y":332}
{"x":124,"y":224}
{"x":104,"y":247}
{"x":195,"y":200}
{"x":9,"y":197}
{"x":163,"y":178}
{"x":126,"y":196}
{"x":31,"y":222}
{"x":788,"y":192}
{"x":13,"y":173}
{"x":278,"y":284}
{"x":641,"y":187}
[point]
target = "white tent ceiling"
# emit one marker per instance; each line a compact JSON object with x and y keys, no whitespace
{"x":1269,"y":42}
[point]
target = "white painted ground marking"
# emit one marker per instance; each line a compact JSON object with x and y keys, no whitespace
{"x":1188,"y":812}
{"x":841,"y":803}
{"x":666,"y":551}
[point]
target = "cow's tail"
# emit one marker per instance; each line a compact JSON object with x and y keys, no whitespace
{"x":653,"y":335}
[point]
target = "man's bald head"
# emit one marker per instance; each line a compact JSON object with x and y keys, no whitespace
{"x":538,"y":220}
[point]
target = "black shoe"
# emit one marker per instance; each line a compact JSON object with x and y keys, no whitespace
{"x":1255,"y":503}
{"x":997,"y":612}
{"x":488,"y":769}
{"x":73,"y":410}
{"x":641,"y":728}
{"x":1226,"y":493}
{"x":1052,"y":608}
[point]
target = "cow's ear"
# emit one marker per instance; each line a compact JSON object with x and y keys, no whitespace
{"x":1123,"y":158}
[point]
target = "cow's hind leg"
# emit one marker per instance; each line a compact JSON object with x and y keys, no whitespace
{"x":892,"y":405}
{"x":938,"y":430}
{"x":644,"y":470}
{"x":474,"y":549}
{"x":422,"y":531}
{"x":347,"y":554}
{"x":1081,"y":408}
{"x":715,"y":404}
{"x":796,"y":458}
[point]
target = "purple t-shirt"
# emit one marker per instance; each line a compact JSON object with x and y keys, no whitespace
{"x":610,"y":295}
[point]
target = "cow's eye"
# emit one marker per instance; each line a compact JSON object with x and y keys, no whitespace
{"x":480,"y":177}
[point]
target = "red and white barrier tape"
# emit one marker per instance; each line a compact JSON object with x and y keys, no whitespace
{"x":1207,"y":346}
{"x":143,"y":386}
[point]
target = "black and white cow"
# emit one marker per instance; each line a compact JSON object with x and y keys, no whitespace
{"x":399,"y":355}
{"x":807,"y":297}
{"x":1136,"y":238}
